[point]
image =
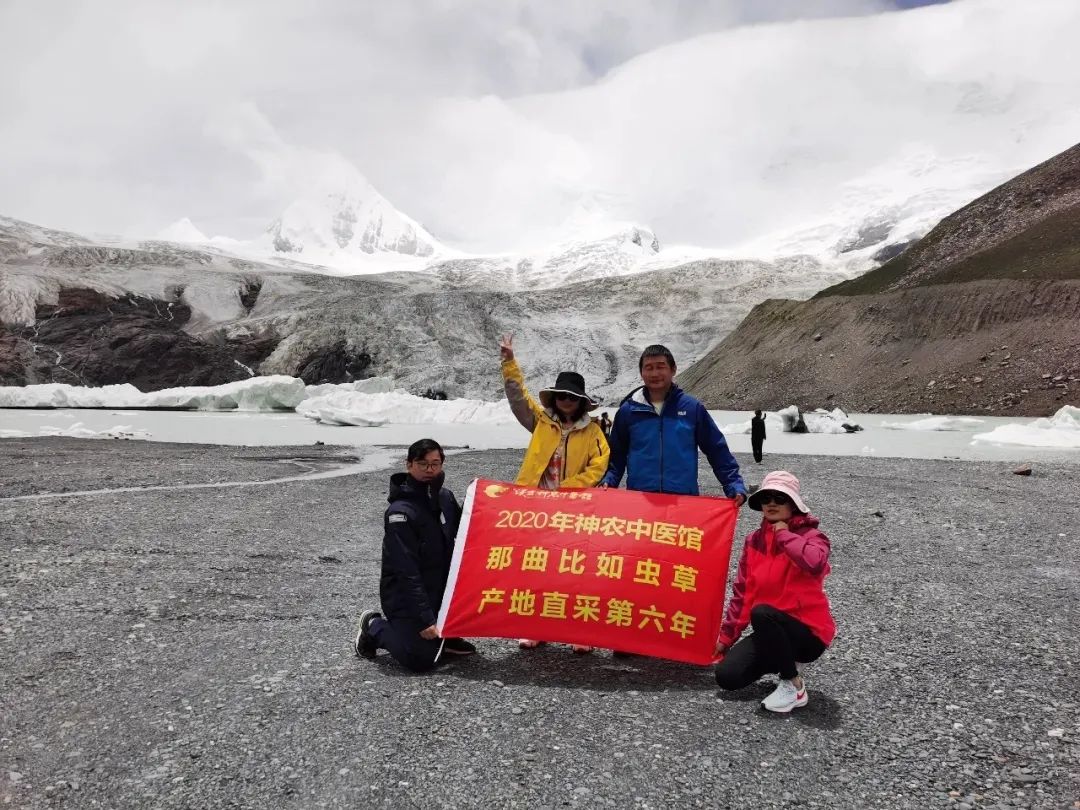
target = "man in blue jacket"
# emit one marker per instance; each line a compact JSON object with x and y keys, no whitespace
{"x":657,"y":432}
{"x":419,"y":528}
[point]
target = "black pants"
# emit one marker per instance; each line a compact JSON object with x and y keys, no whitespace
{"x":778,"y":641}
{"x":757,"y":450}
{"x":401,"y":638}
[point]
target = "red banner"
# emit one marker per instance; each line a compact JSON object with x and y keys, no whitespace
{"x":631,"y":571}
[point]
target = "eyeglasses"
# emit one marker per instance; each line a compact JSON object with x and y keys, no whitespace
{"x":564,"y":395}
{"x":428,"y":465}
{"x":779,"y":498}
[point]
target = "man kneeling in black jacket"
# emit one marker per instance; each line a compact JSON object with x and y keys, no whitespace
{"x":418,"y":544}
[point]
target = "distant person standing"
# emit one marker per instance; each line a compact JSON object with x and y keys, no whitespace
{"x":658,"y":431}
{"x":757,"y":434}
{"x":605,"y":424}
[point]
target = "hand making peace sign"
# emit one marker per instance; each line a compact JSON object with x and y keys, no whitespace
{"x":506,"y":347}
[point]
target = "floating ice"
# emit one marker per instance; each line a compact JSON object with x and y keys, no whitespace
{"x":257,"y":394}
{"x":1062,"y":430}
{"x":59,"y":395}
{"x":817,"y":421}
{"x":78,"y":431}
{"x":372,"y":385}
{"x":401,"y":407}
{"x":935,"y":423}
{"x":276,"y":393}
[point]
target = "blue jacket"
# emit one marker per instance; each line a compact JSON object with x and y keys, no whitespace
{"x":659,"y":451}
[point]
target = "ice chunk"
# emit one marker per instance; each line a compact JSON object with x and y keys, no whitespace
{"x":60,"y":395}
{"x":257,"y":394}
{"x":80,"y":431}
{"x":816,"y":421}
{"x":372,"y":385}
{"x":357,"y":408}
{"x":1062,"y":430}
{"x":935,"y":423}
{"x":276,"y":393}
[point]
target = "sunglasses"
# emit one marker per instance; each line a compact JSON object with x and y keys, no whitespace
{"x":564,"y":395}
{"x":779,"y":498}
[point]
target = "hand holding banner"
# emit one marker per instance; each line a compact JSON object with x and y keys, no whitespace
{"x":633,"y":571}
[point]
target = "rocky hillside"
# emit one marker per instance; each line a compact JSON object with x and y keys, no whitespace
{"x":981,"y":315}
{"x":157,"y":315}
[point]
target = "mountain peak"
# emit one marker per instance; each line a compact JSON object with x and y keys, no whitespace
{"x":183,"y":230}
{"x":348,"y":215}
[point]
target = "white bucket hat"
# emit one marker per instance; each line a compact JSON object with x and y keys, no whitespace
{"x":780,"y":481}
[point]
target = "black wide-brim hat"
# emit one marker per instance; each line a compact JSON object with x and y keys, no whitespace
{"x":568,"y":382}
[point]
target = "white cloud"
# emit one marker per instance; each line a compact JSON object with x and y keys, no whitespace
{"x":488,"y":120}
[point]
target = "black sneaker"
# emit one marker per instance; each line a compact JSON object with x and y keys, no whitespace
{"x":364,"y":645}
{"x":458,"y":646}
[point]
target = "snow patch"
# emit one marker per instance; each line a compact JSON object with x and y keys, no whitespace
{"x":1062,"y":431}
{"x":20,"y":294}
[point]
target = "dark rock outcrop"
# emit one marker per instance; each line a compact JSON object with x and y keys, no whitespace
{"x":250,"y":294}
{"x":88,"y":338}
{"x":981,"y":315}
{"x":336,"y":364}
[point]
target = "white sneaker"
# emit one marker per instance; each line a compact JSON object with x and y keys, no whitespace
{"x":785,"y":697}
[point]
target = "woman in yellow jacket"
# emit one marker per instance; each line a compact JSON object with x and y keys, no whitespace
{"x":568,"y":449}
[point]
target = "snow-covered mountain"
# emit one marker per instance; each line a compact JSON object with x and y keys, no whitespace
{"x":841,"y":139}
{"x":349,"y":228}
{"x":332,"y":224}
{"x":182,"y":231}
{"x":160,"y":314}
{"x":797,"y":154}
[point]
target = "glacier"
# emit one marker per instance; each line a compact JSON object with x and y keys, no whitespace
{"x":436,"y":329}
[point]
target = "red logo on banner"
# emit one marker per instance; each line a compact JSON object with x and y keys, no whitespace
{"x":631,"y":571}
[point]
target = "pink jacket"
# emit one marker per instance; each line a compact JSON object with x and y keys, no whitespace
{"x":787,"y":570}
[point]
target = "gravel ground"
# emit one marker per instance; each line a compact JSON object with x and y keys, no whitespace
{"x":38,"y":466}
{"x":191,"y":648}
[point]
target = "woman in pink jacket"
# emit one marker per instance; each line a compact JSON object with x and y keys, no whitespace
{"x":779,"y":591}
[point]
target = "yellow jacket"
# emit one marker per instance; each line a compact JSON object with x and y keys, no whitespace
{"x":585,"y":457}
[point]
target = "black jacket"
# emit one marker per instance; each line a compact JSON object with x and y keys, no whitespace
{"x":757,"y":429}
{"x":418,"y":543}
